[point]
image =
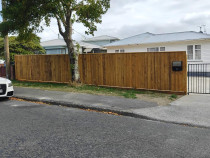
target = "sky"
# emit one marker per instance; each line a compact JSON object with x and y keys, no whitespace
{"x":131,"y":17}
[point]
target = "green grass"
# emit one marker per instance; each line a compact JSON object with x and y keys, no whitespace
{"x":173,"y":97}
{"x":37,"y":84}
{"x":79,"y":88}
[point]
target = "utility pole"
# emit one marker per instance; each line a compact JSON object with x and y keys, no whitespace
{"x":6,"y":47}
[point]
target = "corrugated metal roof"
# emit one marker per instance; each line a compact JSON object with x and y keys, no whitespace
{"x":101,"y":38}
{"x":147,"y":38}
{"x":88,"y":45}
{"x":52,"y":43}
{"x":61,"y":42}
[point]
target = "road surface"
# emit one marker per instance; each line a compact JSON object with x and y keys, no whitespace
{"x":37,"y":130}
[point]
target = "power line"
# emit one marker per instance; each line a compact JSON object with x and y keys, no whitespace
{"x":80,"y":34}
{"x":73,"y":30}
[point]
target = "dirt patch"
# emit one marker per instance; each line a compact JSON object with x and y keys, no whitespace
{"x":162,"y":100}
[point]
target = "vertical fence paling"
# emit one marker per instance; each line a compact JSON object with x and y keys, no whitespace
{"x":43,"y":68}
{"x":151,"y":71}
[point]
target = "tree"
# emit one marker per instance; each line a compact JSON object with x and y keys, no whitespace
{"x":6,"y":45}
{"x":25,"y":16}
{"x":22,"y":47}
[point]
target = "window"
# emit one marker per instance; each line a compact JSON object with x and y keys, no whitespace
{"x":56,"y":51}
{"x":155,"y":49}
{"x":120,"y":51}
{"x":190,"y":52}
{"x":194,"y":52}
{"x":162,"y":49}
{"x":197,"y":52}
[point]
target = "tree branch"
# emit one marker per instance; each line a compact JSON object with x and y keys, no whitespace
{"x":60,"y":26}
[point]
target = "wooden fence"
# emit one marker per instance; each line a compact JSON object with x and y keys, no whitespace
{"x":3,"y":71}
{"x":147,"y":71}
{"x":43,"y":68}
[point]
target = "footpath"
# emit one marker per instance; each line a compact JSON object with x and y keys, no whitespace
{"x":192,"y":110}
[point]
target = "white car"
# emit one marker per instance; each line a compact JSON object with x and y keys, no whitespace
{"x":6,"y":88}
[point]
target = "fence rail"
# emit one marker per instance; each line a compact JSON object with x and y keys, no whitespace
{"x":149,"y":71}
{"x":43,"y":68}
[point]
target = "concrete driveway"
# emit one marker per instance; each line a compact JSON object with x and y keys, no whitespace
{"x":191,"y":109}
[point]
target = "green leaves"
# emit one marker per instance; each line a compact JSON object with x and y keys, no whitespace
{"x":25,"y":16}
{"x":20,"y":46}
{"x":89,"y":12}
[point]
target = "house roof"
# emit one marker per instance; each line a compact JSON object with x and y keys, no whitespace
{"x":55,"y":42}
{"x":147,"y":38}
{"x":100,"y":38}
{"x":61,"y":42}
{"x":88,"y":45}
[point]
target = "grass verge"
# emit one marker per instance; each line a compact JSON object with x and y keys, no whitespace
{"x":79,"y":88}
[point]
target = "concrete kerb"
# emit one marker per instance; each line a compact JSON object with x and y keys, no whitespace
{"x":117,"y":111}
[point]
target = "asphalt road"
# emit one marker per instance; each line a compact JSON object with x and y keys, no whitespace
{"x":34,"y":130}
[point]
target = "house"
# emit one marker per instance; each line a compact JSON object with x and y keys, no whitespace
{"x":91,"y":45}
{"x":97,"y":43}
{"x":101,"y":40}
{"x":196,"y":44}
{"x":56,"y":46}
{"x":91,"y":48}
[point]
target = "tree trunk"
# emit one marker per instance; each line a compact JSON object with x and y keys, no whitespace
{"x":7,"y":56}
{"x":71,"y":54}
{"x":6,"y":48}
{"x":67,"y":35}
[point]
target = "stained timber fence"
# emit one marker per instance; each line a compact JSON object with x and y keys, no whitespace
{"x":3,"y":71}
{"x":145,"y":71}
{"x":42,"y":68}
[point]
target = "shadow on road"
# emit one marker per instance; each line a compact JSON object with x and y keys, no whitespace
{"x":4,"y":99}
